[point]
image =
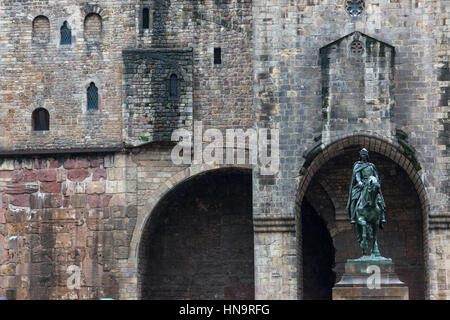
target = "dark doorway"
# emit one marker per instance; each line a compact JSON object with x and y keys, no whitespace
{"x":318,"y":256}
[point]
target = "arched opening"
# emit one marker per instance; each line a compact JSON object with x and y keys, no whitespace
{"x":324,"y":189}
{"x":41,"y":29}
{"x":173,"y":86}
{"x":93,"y":27}
{"x":66,"y":34}
{"x":92,"y":97}
{"x":40,"y":120}
{"x":198,"y":240}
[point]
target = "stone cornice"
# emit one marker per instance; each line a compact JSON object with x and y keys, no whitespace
{"x":274,"y":223}
{"x":439,"y":221}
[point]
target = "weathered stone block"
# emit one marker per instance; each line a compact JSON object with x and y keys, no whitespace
{"x":50,"y":187}
{"x":78,"y":201}
{"x":46,"y":175}
{"x":78,"y":174}
{"x":22,"y":188}
{"x":98,"y":174}
{"x":7,"y":165}
{"x":96,"y":187}
{"x":20,"y":200}
{"x":54,"y":163}
{"x":95,"y":163}
{"x":29,"y":175}
{"x":77,"y":163}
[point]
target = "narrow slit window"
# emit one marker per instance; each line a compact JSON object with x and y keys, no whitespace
{"x":41,"y":120}
{"x":92,"y":97}
{"x":145,"y":18}
{"x":66,"y":34}
{"x":173,"y":90}
{"x":217,"y":55}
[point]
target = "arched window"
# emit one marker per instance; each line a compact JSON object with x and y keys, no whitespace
{"x":93,"y":27}
{"x":41,"y":29}
{"x":66,"y":34}
{"x":41,"y":120}
{"x":92,"y":97}
{"x":145,"y":18}
{"x":173,"y":86}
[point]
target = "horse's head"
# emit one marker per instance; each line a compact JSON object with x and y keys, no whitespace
{"x":373,"y":182}
{"x":372,"y":188}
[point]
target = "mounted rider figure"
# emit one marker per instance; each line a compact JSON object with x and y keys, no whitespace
{"x":362,"y":170}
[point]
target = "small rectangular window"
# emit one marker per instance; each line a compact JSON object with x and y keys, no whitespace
{"x":217,"y":55}
{"x":145,"y":18}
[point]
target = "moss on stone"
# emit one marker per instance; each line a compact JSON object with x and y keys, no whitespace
{"x":311,"y":156}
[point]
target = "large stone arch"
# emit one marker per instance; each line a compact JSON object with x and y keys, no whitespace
{"x":152,"y":201}
{"x":155,"y":212}
{"x":381,"y":145}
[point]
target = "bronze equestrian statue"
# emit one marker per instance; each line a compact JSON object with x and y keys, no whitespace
{"x":365,"y":205}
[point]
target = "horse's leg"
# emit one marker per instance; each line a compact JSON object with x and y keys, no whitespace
{"x":375,"y":250}
{"x":364,"y":238}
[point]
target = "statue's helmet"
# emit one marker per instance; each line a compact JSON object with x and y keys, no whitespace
{"x":364,"y":152}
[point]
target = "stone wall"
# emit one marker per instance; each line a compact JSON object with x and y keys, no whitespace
{"x":357,"y":86}
{"x":288,"y":93}
{"x":152,"y":111}
{"x":56,"y":77}
{"x":39,"y":72}
{"x":58,"y":212}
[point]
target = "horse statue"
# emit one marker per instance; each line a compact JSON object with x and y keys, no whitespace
{"x":366,"y":205}
{"x":368,"y":216}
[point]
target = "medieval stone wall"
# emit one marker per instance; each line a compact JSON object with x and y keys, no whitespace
{"x":39,"y":72}
{"x":58,"y":212}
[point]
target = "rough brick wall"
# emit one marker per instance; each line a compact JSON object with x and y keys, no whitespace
{"x":199,"y":242}
{"x":402,"y":239}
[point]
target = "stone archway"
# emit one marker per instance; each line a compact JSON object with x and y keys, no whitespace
{"x":324,"y":185}
{"x":198,"y":243}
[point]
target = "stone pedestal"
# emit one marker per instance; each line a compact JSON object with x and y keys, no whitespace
{"x":366,"y":279}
